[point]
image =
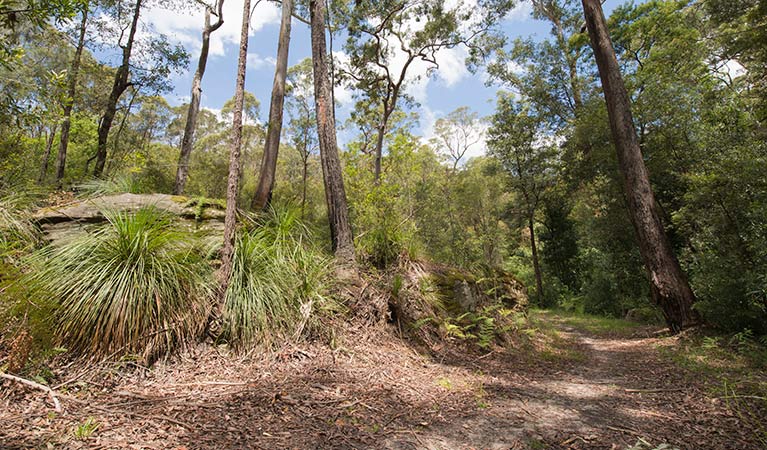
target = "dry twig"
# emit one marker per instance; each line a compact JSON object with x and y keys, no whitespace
{"x":51,"y":394}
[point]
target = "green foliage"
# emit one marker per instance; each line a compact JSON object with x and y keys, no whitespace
{"x":278,"y":282}
{"x":97,"y":187}
{"x":135,"y":285}
{"x":86,"y":429}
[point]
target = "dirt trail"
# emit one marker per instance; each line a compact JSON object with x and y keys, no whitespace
{"x":580,"y":391}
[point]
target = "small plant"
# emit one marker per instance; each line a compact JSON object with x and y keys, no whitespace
{"x":445,"y":383}
{"x":86,"y":429}
{"x":136,"y":285}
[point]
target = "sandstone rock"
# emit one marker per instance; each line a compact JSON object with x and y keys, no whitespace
{"x":63,"y":223}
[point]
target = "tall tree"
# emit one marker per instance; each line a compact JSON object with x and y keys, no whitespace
{"x":669,"y":286}
{"x":120,"y":85}
{"x":233,"y":179}
{"x":386,"y":41}
{"x":187,"y":142}
{"x":335,"y":195}
{"x":514,"y":139}
{"x":69,"y":101}
{"x":303,"y":123}
{"x":269,"y":161}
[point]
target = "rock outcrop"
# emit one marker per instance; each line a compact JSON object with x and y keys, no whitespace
{"x":62,"y":223}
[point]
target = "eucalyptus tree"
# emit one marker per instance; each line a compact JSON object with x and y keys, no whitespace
{"x":668,"y":283}
{"x":389,"y":38}
{"x":157,"y":58}
{"x":302,"y":125}
{"x":516,"y":140}
{"x":456,"y":133}
{"x":548,"y":72}
{"x":19,"y":15}
{"x":118,"y":87}
{"x":233,"y":178}
{"x":335,"y":194}
{"x":69,"y":101}
{"x":187,"y":142}
{"x":269,"y":161}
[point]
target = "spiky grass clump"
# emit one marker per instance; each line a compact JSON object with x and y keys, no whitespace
{"x":136,"y":285}
{"x":277,"y":283}
{"x":98,"y":187}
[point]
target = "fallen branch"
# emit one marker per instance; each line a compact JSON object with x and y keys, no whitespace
{"x":42,"y":387}
{"x":651,"y":391}
{"x":624,"y":430}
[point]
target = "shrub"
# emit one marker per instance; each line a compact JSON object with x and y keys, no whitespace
{"x":137,"y":284}
{"x":277,"y":281}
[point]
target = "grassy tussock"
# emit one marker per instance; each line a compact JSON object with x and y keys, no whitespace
{"x":137,"y":284}
{"x":277,"y":284}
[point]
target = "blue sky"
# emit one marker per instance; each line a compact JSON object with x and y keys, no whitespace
{"x":447,"y":90}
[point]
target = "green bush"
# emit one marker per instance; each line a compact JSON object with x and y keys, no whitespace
{"x":277,"y":282}
{"x":138,"y":284}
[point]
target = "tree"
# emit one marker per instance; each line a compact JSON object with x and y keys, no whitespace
{"x":335,"y":195}
{"x":303,"y":123}
{"x":157,"y":59}
{"x":233,"y":179}
{"x":457,"y":132}
{"x":386,"y":41}
{"x":269,"y":162}
{"x":119,"y":86}
{"x":187,"y":142}
{"x":69,"y":101}
{"x":514,"y":139}
{"x":669,"y":286}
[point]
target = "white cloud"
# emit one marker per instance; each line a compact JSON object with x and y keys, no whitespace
{"x":520,"y":12}
{"x":258,"y":62}
{"x":184,"y":25}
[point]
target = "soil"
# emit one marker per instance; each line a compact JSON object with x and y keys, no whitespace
{"x":375,"y":390}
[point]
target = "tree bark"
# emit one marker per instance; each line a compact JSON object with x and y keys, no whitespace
{"x":47,"y":155}
{"x":233,"y":180}
{"x":335,"y":195}
{"x":536,"y":263}
{"x":69,"y":102}
{"x":187,"y":142}
{"x":120,"y":85}
{"x":271,"y":149}
{"x":669,"y":286}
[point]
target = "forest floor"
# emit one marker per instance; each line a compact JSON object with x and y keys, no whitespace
{"x":572,"y":383}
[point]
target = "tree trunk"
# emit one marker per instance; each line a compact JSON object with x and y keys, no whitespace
{"x":233,"y":181}
{"x":187,"y":142}
{"x":536,"y":264}
{"x":120,"y":85}
{"x":335,"y":195}
{"x":269,"y":162}
{"x":47,"y":155}
{"x":669,"y":286}
{"x":379,"y":151}
{"x":69,"y":102}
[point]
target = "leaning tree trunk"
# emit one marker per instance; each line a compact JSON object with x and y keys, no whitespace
{"x":269,"y":162}
{"x":69,"y":102}
{"x":669,"y":286}
{"x":120,"y":85}
{"x":335,"y":195}
{"x":233,"y":181}
{"x":187,"y":142}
